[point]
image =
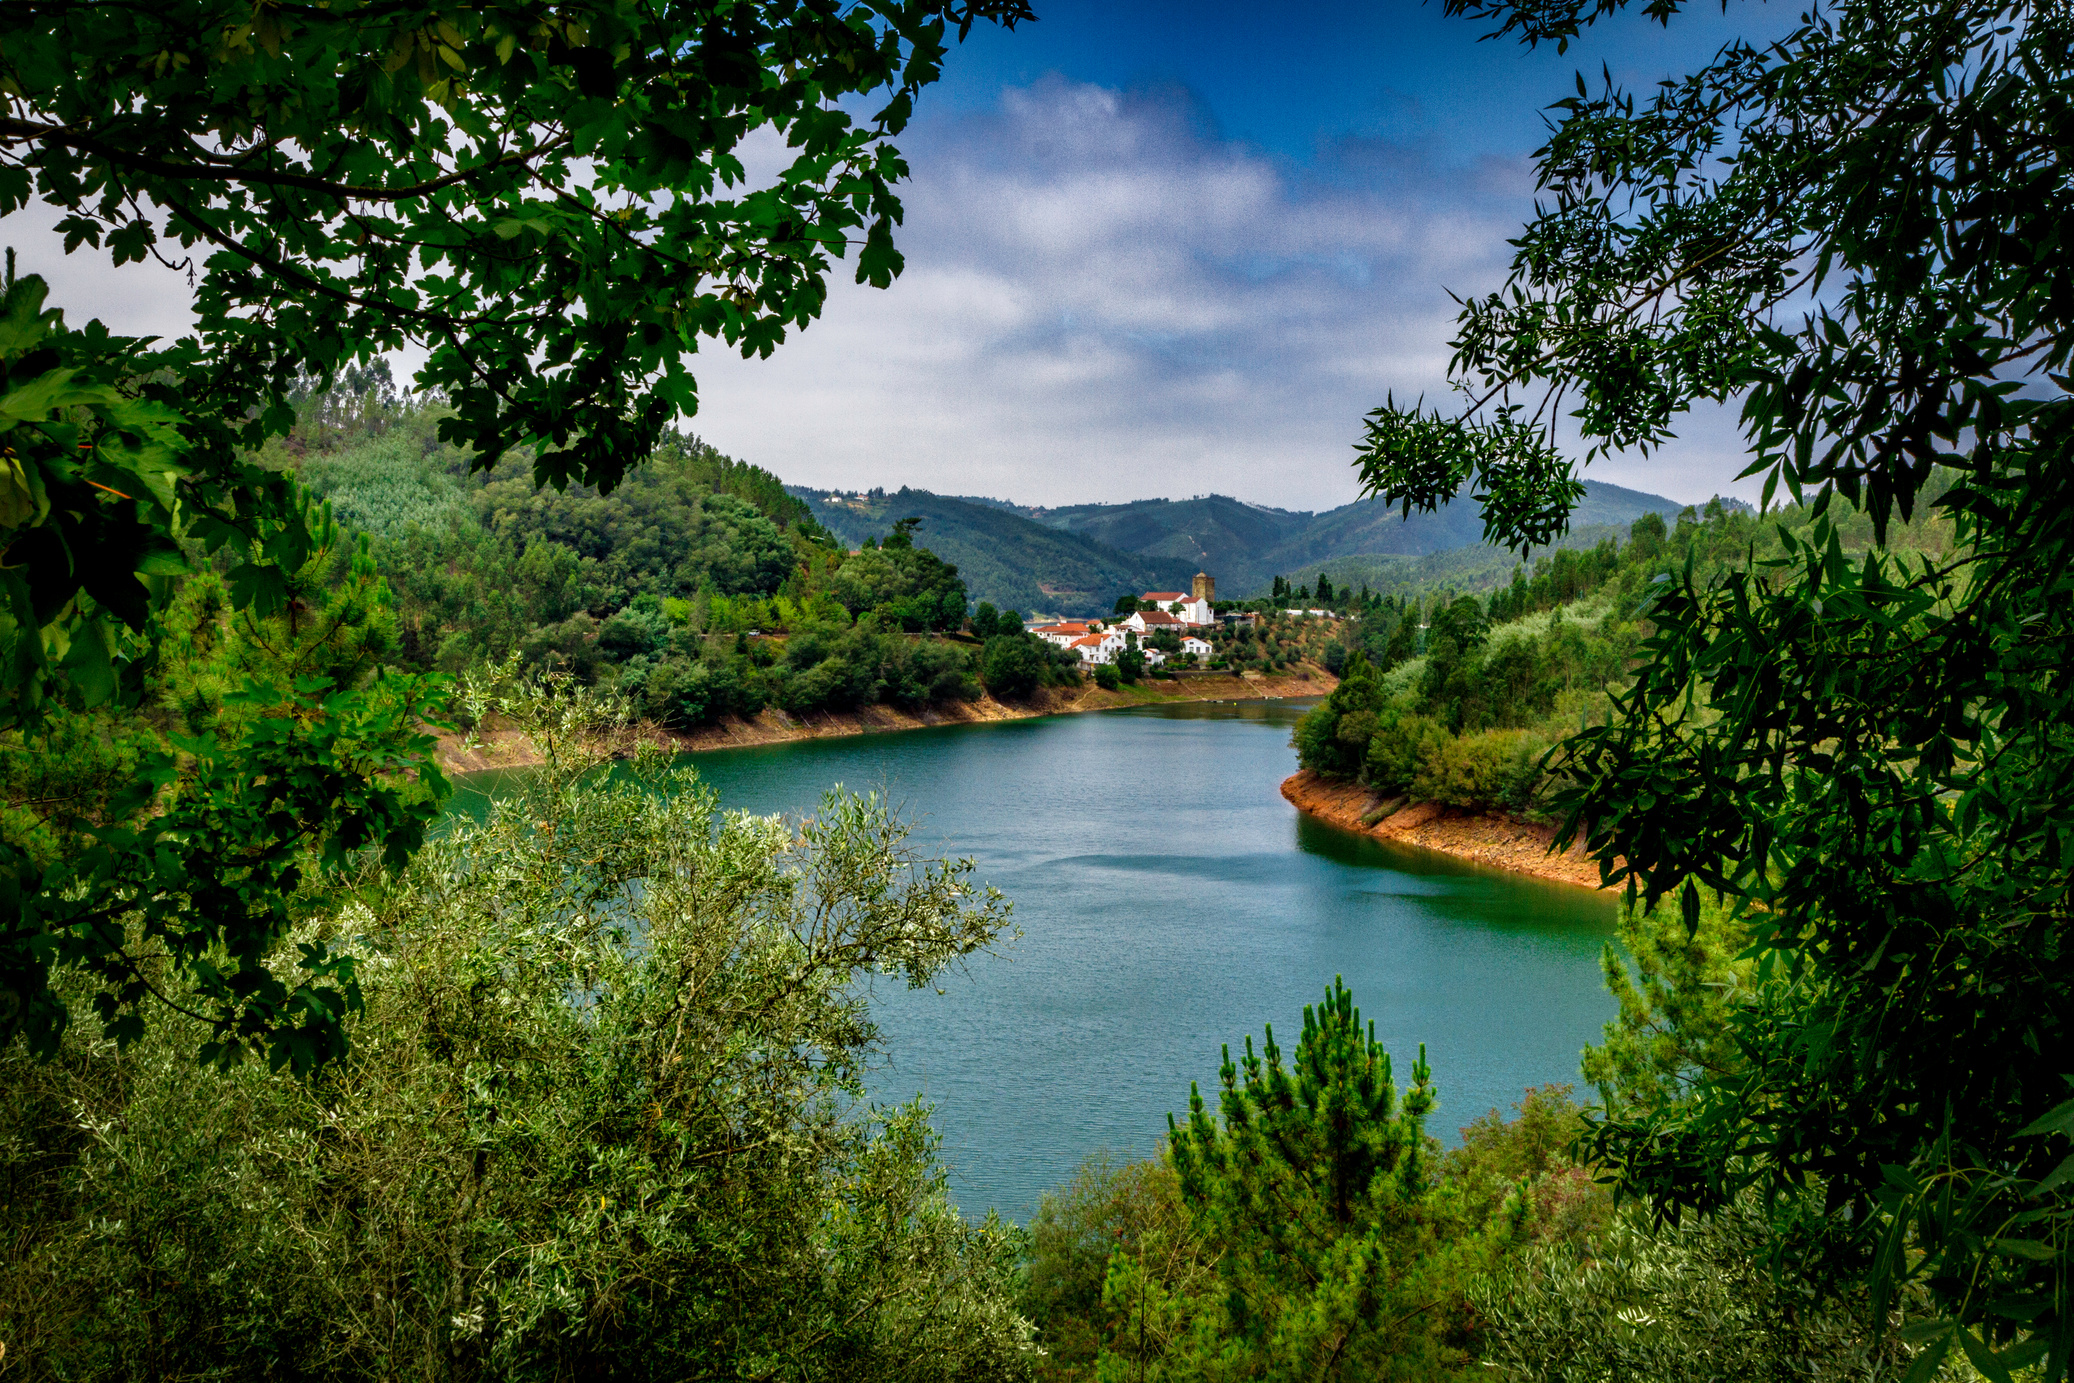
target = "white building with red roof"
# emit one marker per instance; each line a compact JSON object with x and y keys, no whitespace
{"x":1192,"y":607}
{"x":1067,"y":632}
{"x":1148,"y":621}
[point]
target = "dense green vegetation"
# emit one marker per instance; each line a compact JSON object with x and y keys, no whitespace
{"x":697,"y":586}
{"x":599,"y":1119}
{"x":1306,"y":1226}
{"x":1312,"y":1229}
{"x":1854,"y":235}
{"x":339,"y":186}
{"x":1459,"y":700}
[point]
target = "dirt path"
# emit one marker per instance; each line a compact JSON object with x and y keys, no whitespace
{"x":1492,"y":839}
{"x":509,"y":748}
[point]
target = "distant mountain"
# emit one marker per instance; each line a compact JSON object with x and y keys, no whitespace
{"x":1245,"y":546}
{"x":1006,"y":558}
{"x":1076,"y":559}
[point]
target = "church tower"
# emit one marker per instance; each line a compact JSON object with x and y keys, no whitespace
{"x":1205,"y":587}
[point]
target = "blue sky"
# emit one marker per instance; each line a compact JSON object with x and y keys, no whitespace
{"x":1158,"y":249}
{"x":1290,"y":78}
{"x":1166,"y":249}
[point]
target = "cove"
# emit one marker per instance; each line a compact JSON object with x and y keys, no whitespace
{"x":1171,"y":901}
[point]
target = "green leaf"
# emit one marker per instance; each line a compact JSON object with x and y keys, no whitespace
{"x":1983,"y":1358}
{"x":2055,"y":1179}
{"x":2058,"y":1119}
{"x":1924,"y":1367}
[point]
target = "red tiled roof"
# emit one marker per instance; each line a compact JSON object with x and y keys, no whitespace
{"x":1164,"y":595}
{"x":1158,"y":617}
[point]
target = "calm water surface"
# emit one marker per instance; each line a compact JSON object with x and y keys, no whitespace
{"x":1171,"y":901}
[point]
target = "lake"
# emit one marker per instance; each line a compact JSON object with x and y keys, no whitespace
{"x":1171,"y":901}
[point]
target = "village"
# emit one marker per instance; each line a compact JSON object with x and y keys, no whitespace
{"x":1165,"y":625}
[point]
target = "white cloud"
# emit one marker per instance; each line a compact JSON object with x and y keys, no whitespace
{"x":1104,"y":303}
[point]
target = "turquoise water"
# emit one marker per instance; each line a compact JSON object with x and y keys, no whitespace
{"x":1171,"y":901}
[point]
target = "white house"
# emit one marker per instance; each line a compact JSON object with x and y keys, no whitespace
{"x":1099,"y":647}
{"x":1148,"y":621}
{"x":1191,"y":643}
{"x":1065,"y":634}
{"x":1179,"y":605}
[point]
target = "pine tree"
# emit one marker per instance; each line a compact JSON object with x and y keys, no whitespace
{"x":1315,"y":1190}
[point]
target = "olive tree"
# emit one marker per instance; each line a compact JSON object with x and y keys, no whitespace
{"x":602,"y":1115}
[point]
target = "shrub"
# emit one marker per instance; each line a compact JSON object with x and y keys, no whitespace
{"x":1109,"y":1207}
{"x":1397,"y":749}
{"x":1106,"y":677}
{"x":595,"y":1124}
{"x":1481,"y":772}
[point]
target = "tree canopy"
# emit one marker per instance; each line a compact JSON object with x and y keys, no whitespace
{"x":552,"y":201}
{"x":1855,"y":233}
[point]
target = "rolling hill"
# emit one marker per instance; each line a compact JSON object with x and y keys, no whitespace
{"x":1076,"y":559}
{"x":1005,"y":557}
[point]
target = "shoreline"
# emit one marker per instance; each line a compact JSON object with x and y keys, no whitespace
{"x":1490,"y":838}
{"x":496,"y":749}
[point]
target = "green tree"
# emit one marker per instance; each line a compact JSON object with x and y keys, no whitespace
{"x":1130,"y":662}
{"x":1011,"y":665}
{"x":1313,"y":1188}
{"x":1333,"y":736}
{"x":1108,"y":1209}
{"x":600,"y":1119}
{"x":1877,"y":754}
{"x":1677,"y":1004}
{"x":547,"y":200}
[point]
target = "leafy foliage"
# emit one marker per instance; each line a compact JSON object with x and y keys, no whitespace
{"x":1706,"y":1299}
{"x":698,"y":587}
{"x":600,"y":1117}
{"x":1126,"y":1274}
{"x":549,"y":200}
{"x":280,"y":744}
{"x":1873,"y":752}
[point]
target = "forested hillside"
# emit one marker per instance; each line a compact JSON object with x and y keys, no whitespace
{"x":698,"y":586}
{"x":1075,"y":560}
{"x":1458,"y":698}
{"x":1006,"y":558}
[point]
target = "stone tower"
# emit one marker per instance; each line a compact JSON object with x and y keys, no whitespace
{"x":1205,"y":588}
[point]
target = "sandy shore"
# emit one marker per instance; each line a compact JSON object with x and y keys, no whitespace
{"x":510,"y":749}
{"x":1497,"y":840}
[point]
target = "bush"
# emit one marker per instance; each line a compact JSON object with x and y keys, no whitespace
{"x":1397,"y":750}
{"x":1109,"y":1207}
{"x":1710,"y":1298}
{"x":1477,"y":772}
{"x":1106,"y":677}
{"x":595,"y":1124}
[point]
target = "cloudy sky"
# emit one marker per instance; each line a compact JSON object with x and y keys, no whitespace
{"x":1158,"y":248}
